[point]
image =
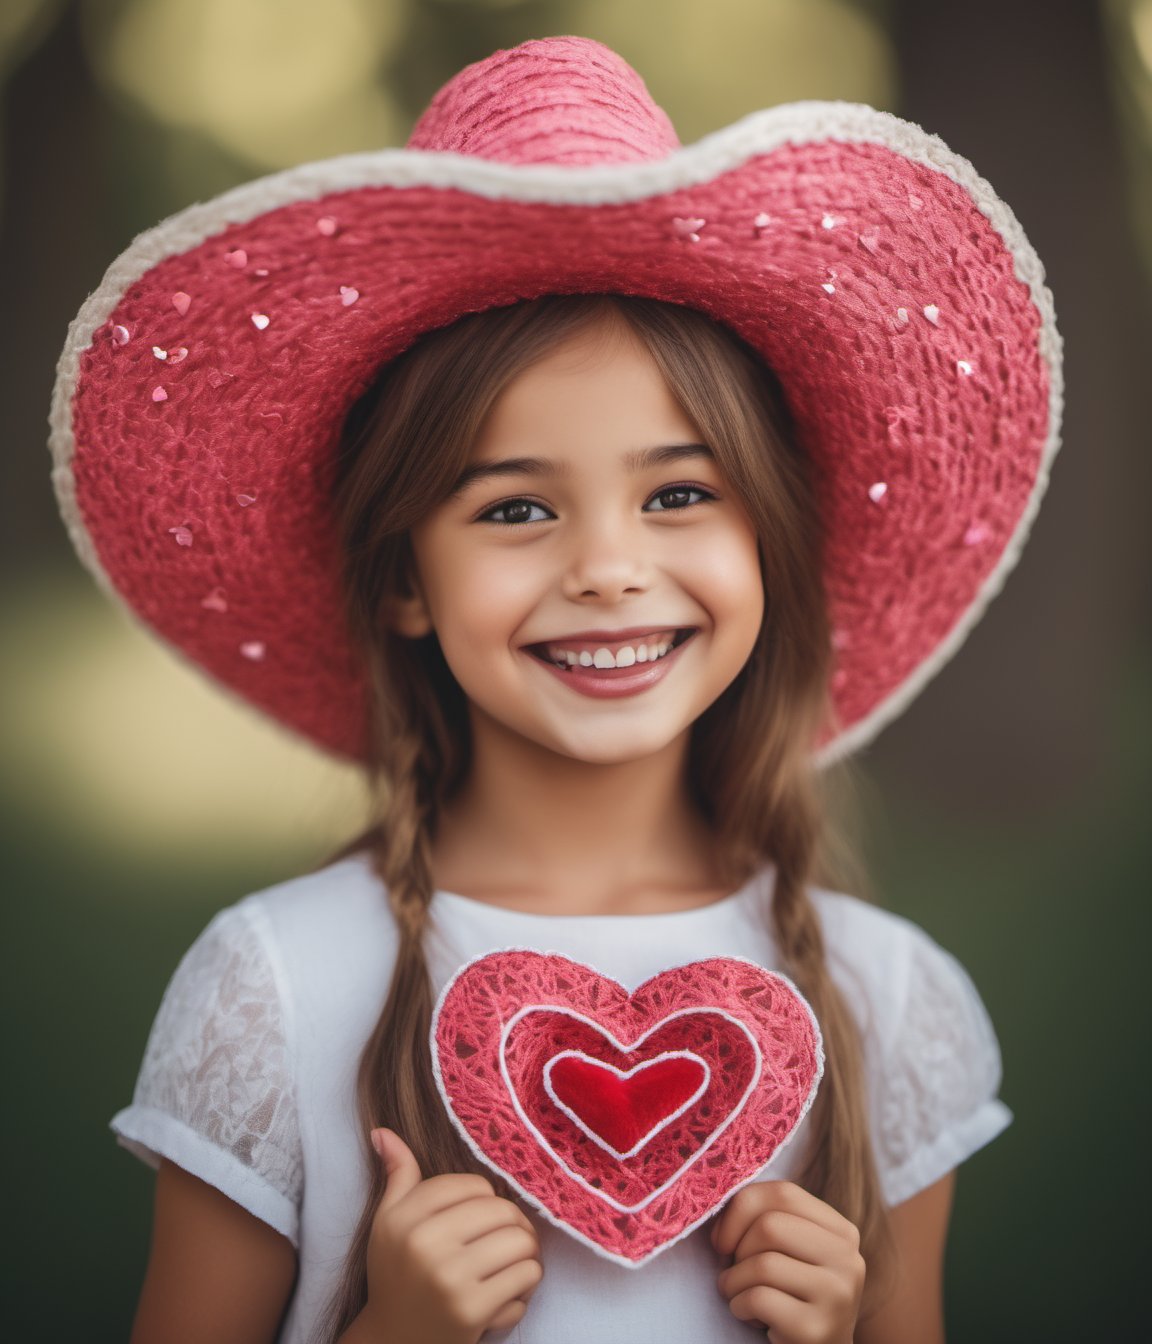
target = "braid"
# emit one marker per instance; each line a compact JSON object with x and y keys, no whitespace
{"x":396,"y":1086}
{"x":838,"y":1114}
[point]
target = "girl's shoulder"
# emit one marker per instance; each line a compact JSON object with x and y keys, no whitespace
{"x":340,"y":902}
{"x":932,"y":1060}
{"x":326,"y":936}
{"x":892,"y":970}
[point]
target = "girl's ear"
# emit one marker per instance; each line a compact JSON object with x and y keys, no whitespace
{"x":407,"y":614}
{"x":404,"y":611}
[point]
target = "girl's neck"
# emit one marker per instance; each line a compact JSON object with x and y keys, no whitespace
{"x":547,"y":834}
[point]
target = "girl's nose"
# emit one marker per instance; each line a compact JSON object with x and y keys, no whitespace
{"x":607,"y":562}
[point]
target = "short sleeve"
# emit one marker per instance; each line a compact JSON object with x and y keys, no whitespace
{"x":215,"y":1092}
{"x":937,"y":1101}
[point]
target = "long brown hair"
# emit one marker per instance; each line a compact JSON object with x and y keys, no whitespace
{"x":751,"y":765}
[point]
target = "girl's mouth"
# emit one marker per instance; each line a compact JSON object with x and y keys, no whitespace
{"x":613,"y":667}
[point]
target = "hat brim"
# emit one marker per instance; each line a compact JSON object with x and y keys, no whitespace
{"x":894,"y":294}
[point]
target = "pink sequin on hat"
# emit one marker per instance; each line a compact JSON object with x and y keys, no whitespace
{"x":894,"y":294}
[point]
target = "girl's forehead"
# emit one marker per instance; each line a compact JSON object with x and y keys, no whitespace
{"x":601,"y":386}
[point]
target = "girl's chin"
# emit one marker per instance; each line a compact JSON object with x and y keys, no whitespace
{"x":609,"y":747}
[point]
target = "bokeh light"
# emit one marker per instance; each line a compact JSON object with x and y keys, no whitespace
{"x":719,"y":61}
{"x":22,"y":23}
{"x":1141,"y":21}
{"x":272,"y":84}
{"x":102,"y":724}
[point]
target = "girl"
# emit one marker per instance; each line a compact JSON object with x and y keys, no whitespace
{"x":583,"y":505}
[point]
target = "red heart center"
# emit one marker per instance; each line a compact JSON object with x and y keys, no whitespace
{"x":625,"y":1109}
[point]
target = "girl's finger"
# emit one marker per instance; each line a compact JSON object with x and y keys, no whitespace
{"x":772,"y":1308}
{"x":509,"y":1316}
{"x":401,"y":1170}
{"x":518,"y":1281}
{"x":766,"y":1197}
{"x":496,"y":1251}
{"x":793,"y":1236}
{"x":774,"y":1269}
{"x":793,"y":1198}
{"x":475,"y":1217}
{"x":432,"y":1196}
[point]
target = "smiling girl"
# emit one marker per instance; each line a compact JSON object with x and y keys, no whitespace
{"x":609,"y":507}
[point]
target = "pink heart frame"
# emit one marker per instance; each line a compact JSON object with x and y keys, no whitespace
{"x":508,"y":1019}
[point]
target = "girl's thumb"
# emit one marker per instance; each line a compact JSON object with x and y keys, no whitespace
{"x":401,"y":1170}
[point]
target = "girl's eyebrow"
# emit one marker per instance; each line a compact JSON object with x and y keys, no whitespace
{"x":641,"y":459}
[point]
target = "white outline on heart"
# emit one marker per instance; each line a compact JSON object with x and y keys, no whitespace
{"x":625,"y":1073}
{"x":626,"y":1049}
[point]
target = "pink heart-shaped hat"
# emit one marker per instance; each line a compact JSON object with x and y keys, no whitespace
{"x":202,"y":390}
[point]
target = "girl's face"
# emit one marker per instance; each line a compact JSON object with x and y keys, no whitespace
{"x":593,"y":581}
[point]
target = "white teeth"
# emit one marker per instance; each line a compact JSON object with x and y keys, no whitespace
{"x":626,"y":656}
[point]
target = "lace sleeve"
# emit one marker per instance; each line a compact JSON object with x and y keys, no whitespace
{"x":215,"y":1092}
{"x":938,"y":1103}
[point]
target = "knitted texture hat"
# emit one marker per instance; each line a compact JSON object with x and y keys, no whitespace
{"x":203,"y":387}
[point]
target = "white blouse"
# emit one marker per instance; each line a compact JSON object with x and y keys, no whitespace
{"x":248,"y":1080}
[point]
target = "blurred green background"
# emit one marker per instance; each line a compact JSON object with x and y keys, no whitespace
{"x":1007,"y":810}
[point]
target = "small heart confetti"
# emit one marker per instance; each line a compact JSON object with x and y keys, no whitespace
{"x":830,"y":221}
{"x":245,"y":500}
{"x":877,"y":492}
{"x":688,"y":229}
{"x":178,"y":355}
{"x":348,"y":295}
{"x":327,"y":226}
{"x":260,"y":321}
{"x":121,"y":335}
{"x":181,"y":302}
{"x":215,"y":601}
{"x":159,"y":353}
{"x":932,"y":313}
{"x":253,"y":650}
{"x":183,"y":535}
{"x":869,"y":242}
{"x":975,"y":535}
{"x":761,"y":222}
{"x":216,"y":378}
{"x":159,"y":394}
{"x":964,"y":366}
{"x":237,"y":258}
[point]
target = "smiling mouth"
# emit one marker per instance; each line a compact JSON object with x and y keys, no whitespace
{"x":607,"y":655}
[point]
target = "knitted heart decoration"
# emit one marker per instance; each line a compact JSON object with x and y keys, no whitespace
{"x":626,"y":1118}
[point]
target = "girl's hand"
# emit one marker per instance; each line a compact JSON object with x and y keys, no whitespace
{"x":447,"y":1258}
{"x":797,"y":1266}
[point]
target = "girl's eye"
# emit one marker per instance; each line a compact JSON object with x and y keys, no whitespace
{"x":674,"y":497}
{"x":513,"y":511}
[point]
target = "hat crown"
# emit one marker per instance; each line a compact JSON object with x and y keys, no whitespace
{"x":568,"y":101}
